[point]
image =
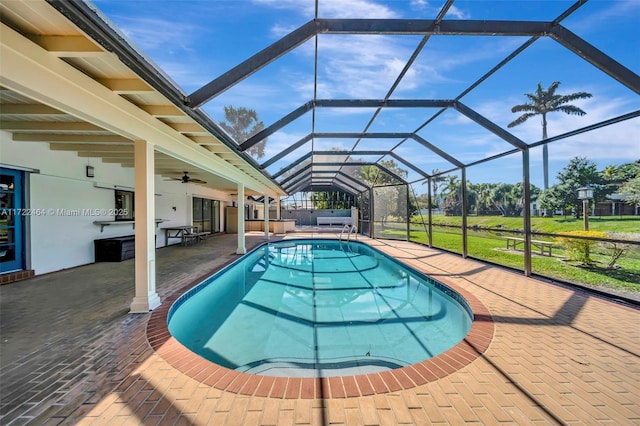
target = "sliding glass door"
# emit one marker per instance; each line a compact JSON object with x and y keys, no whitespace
{"x":206,"y":214}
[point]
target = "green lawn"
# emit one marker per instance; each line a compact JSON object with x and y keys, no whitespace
{"x":624,"y":224}
{"x":491,"y":246}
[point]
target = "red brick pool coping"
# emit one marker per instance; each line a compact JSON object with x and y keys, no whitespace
{"x":173,"y":352}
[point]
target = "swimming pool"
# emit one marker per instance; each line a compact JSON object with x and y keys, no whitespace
{"x":318,"y":308}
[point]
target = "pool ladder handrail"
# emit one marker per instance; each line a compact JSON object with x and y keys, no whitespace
{"x":351,"y":229}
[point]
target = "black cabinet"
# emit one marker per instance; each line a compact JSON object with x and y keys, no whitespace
{"x":115,"y":249}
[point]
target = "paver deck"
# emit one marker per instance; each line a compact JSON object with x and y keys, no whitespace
{"x":71,"y":354}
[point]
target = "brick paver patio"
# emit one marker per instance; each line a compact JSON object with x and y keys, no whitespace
{"x":71,"y":354}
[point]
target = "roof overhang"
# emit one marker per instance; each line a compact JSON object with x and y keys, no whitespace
{"x":74,"y":82}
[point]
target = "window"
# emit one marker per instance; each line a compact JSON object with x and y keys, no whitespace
{"x":124,"y":205}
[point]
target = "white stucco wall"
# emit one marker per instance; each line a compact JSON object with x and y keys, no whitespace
{"x":59,"y":239}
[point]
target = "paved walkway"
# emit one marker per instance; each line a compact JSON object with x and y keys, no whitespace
{"x":70,"y":354}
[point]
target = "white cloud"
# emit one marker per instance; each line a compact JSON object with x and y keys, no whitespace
{"x":156,"y":33}
{"x":360,"y":66}
{"x":419,"y":4}
{"x":621,"y":9}
{"x":437,"y":65}
{"x":354,"y":9}
{"x":431,"y":11}
{"x":617,"y":143}
{"x":304,"y":7}
{"x":169,"y":44}
{"x":333,"y":8}
{"x":458,"y":13}
{"x":456,"y":119}
{"x":282,"y":140}
{"x":280,"y":30}
{"x":365,"y":66}
{"x":363,"y":9}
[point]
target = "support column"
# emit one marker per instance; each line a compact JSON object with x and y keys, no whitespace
{"x":266,"y":216}
{"x":526,"y":189}
{"x":146,"y":298}
{"x":408,"y":214}
{"x":278,"y":207}
{"x":465,"y":246}
{"x":242,"y":249}
{"x":371,"y":214}
{"x":430,"y":214}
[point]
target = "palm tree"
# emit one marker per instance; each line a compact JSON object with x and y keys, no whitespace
{"x":436,"y":181}
{"x":483,"y":197}
{"x":541,"y":103}
{"x":451,"y":191}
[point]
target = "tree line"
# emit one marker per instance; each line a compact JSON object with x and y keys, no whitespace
{"x":581,"y":172}
{"x":507,"y":199}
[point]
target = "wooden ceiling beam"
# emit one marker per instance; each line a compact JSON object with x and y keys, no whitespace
{"x":187,"y":128}
{"x":94,"y":154}
{"x":68,"y":46}
{"x":50,"y":126}
{"x":91,"y":147}
{"x":160,"y":111}
{"x":126,"y":86}
{"x":29,"y":109}
{"x":58,"y":138}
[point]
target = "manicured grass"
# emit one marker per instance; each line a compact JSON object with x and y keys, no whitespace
{"x":490,"y":247}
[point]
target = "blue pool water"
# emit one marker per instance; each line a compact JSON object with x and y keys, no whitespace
{"x":318,"y":308}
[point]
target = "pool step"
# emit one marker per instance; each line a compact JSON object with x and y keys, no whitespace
{"x":358,"y":266}
{"x":330,"y":368}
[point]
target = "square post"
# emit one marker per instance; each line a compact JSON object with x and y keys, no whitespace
{"x":146,"y":298}
{"x":266,"y":216}
{"x":242,"y":249}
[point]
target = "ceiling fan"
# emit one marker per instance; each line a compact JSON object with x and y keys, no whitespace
{"x":186,"y":179}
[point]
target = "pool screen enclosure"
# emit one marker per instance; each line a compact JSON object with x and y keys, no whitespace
{"x":390,"y":153}
{"x":385,"y":168}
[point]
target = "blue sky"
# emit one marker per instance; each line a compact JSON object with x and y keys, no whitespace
{"x":197,"y":41}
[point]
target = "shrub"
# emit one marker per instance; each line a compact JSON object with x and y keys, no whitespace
{"x":617,"y":248}
{"x":579,"y":249}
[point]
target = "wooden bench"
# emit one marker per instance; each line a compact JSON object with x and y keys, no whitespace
{"x":544,"y":246}
{"x":189,"y":238}
{"x":187,"y":234}
{"x":334,"y":220}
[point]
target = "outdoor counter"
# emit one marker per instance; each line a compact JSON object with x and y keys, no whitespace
{"x":276,"y":226}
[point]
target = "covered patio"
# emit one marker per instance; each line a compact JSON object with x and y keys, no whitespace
{"x":556,"y":355}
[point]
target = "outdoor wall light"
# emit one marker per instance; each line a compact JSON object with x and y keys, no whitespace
{"x":90,"y":172}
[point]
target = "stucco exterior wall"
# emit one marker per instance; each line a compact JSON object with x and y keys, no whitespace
{"x":62,"y":232}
